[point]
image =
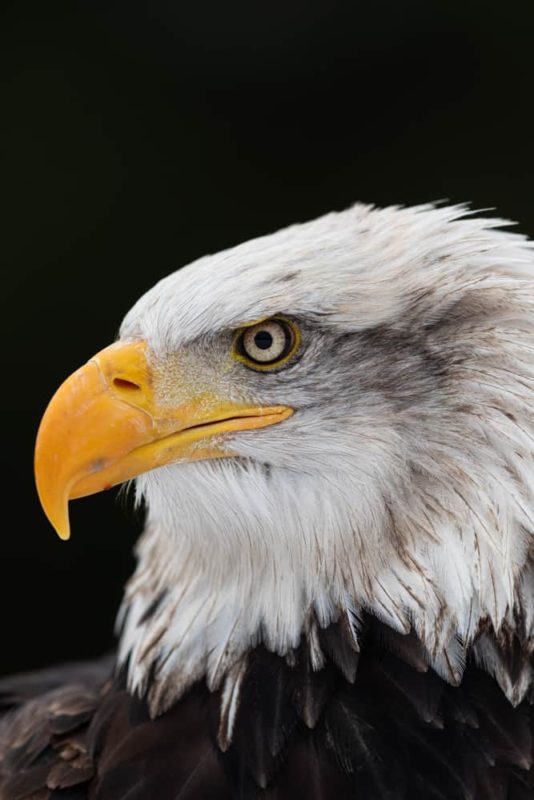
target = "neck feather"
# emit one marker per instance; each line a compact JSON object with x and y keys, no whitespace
{"x":237,"y":568}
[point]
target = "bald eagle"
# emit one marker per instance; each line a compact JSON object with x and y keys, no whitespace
{"x":332,"y":429}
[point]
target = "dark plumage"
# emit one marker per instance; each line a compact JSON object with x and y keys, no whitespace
{"x":395,"y":733}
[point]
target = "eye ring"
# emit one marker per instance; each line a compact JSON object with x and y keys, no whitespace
{"x":268,"y":344}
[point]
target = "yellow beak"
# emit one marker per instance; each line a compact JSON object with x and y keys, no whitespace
{"x":104,"y":426}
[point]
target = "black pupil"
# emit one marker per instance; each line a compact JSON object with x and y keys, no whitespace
{"x":263,"y":340}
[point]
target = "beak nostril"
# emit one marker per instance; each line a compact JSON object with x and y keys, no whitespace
{"x":124,"y":385}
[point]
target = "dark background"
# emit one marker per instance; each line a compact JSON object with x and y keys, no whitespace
{"x":138,"y":136}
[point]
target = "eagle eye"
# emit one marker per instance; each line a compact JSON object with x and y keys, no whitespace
{"x":268,"y":344}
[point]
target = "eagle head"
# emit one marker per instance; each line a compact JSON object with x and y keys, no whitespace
{"x":331,"y":422}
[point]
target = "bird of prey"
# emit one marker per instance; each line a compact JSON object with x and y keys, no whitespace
{"x":332,"y":430}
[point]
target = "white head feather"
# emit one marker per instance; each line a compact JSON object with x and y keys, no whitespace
{"x":402,"y":485}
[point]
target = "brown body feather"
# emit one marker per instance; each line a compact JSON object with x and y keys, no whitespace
{"x":395,"y":733}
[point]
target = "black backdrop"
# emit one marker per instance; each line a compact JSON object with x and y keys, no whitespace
{"x":139,"y":135}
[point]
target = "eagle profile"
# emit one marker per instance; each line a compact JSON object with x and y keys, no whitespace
{"x":332,"y":430}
